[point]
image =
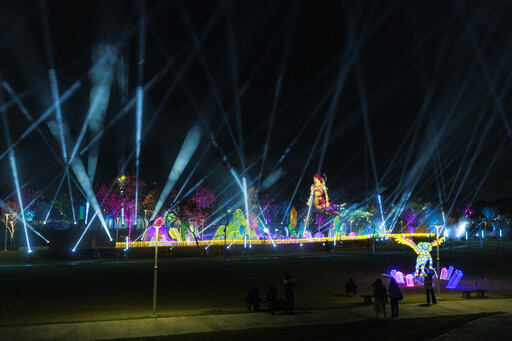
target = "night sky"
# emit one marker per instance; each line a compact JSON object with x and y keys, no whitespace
{"x":381,"y":96}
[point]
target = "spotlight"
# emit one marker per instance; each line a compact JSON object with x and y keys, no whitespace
{"x":187,"y":150}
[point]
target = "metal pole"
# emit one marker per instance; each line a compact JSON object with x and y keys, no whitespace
{"x":156,"y":271}
{"x":438,"y":261}
{"x":481,"y":235}
{"x":225,"y":256}
{"x":373,"y":240}
{"x":5,"y":241}
{"x":127,"y":247}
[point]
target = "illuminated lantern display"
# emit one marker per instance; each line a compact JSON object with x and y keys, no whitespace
{"x":175,"y":234}
{"x":293,"y":217}
{"x":422,"y":250}
{"x":318,"y":195}
{"x":450,"y":273}
{"x":158,"y":227}
{"x":398,"y":276}
{"x":410,"y":280}
{"x":454,"y":281}
{"x":444,"y":273}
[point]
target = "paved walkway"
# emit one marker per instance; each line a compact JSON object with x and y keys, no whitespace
{"x":209,"y":323}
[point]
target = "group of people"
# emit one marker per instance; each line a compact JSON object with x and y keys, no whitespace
{"x":273,"y":303}
{"x":380,"y":293}
{"x":381,"y":296}
{"x":395,"y":295}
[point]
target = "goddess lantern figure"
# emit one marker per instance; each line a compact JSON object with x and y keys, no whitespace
{"x":319,"y":195}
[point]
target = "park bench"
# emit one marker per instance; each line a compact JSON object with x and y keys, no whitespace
{"x":281,"y":305}
{"x":478,"y":293}
{"x":367,"y":299}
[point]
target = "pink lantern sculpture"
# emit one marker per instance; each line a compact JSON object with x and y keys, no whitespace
{"x":410,"y":280}
{"x":444,"y":274}
{"x":398,"y":276}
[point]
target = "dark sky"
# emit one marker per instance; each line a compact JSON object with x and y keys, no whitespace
{"x":420,"y":87}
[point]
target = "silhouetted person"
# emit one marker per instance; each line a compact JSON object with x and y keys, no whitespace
{"x":350,"y":287}
{"x":395,"y":295}
{"x":289,"y":286}
{"x":429,"y":289}
{"x":253,"y":298}
{"x":271,"y":299}
{"x":379,"y":292}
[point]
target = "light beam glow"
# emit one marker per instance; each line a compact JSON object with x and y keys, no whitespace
{"x":187,"y":150}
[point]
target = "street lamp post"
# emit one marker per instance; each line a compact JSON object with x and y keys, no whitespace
{"x":155,"y":271}
{"x":482,"y":233}
{"x":117,"y":229}
{"x":438,"y":261}
{"x":145,"y":217}
{"x":225,"y":236}
{"x":6,"y":222}
{"x":373,"y":239}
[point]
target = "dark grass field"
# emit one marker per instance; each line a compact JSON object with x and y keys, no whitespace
{"x":96,"y":290}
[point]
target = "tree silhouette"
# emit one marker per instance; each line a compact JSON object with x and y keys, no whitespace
{"x":11,"y":211}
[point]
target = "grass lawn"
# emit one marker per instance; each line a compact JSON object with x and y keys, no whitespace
{"x":101,"y":290}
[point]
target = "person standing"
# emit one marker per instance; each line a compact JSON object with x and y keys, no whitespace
{"x":350,"y":287}
{"x":429,"y":290}
{"x":380,"y":295}
{"x":289,"y":287}
{"x":395,"y":295}
{"x":253,"y":299}
{"x":271,"y":297}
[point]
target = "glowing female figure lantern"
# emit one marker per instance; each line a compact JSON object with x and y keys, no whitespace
{"x":318,"y":194}
{"x":423,"y":250}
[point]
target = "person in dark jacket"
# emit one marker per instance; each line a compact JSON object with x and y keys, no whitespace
{"x":271,"y":297}
{"x":350,"y":287}
{"x":380,"y":295}
{"x":253,"y":298}
{"x":395,"y":295}
{"x":289,"y":287}
{"x":429,"y":289}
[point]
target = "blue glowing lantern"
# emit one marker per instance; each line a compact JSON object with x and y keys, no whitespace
{"x":455,"y":279}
